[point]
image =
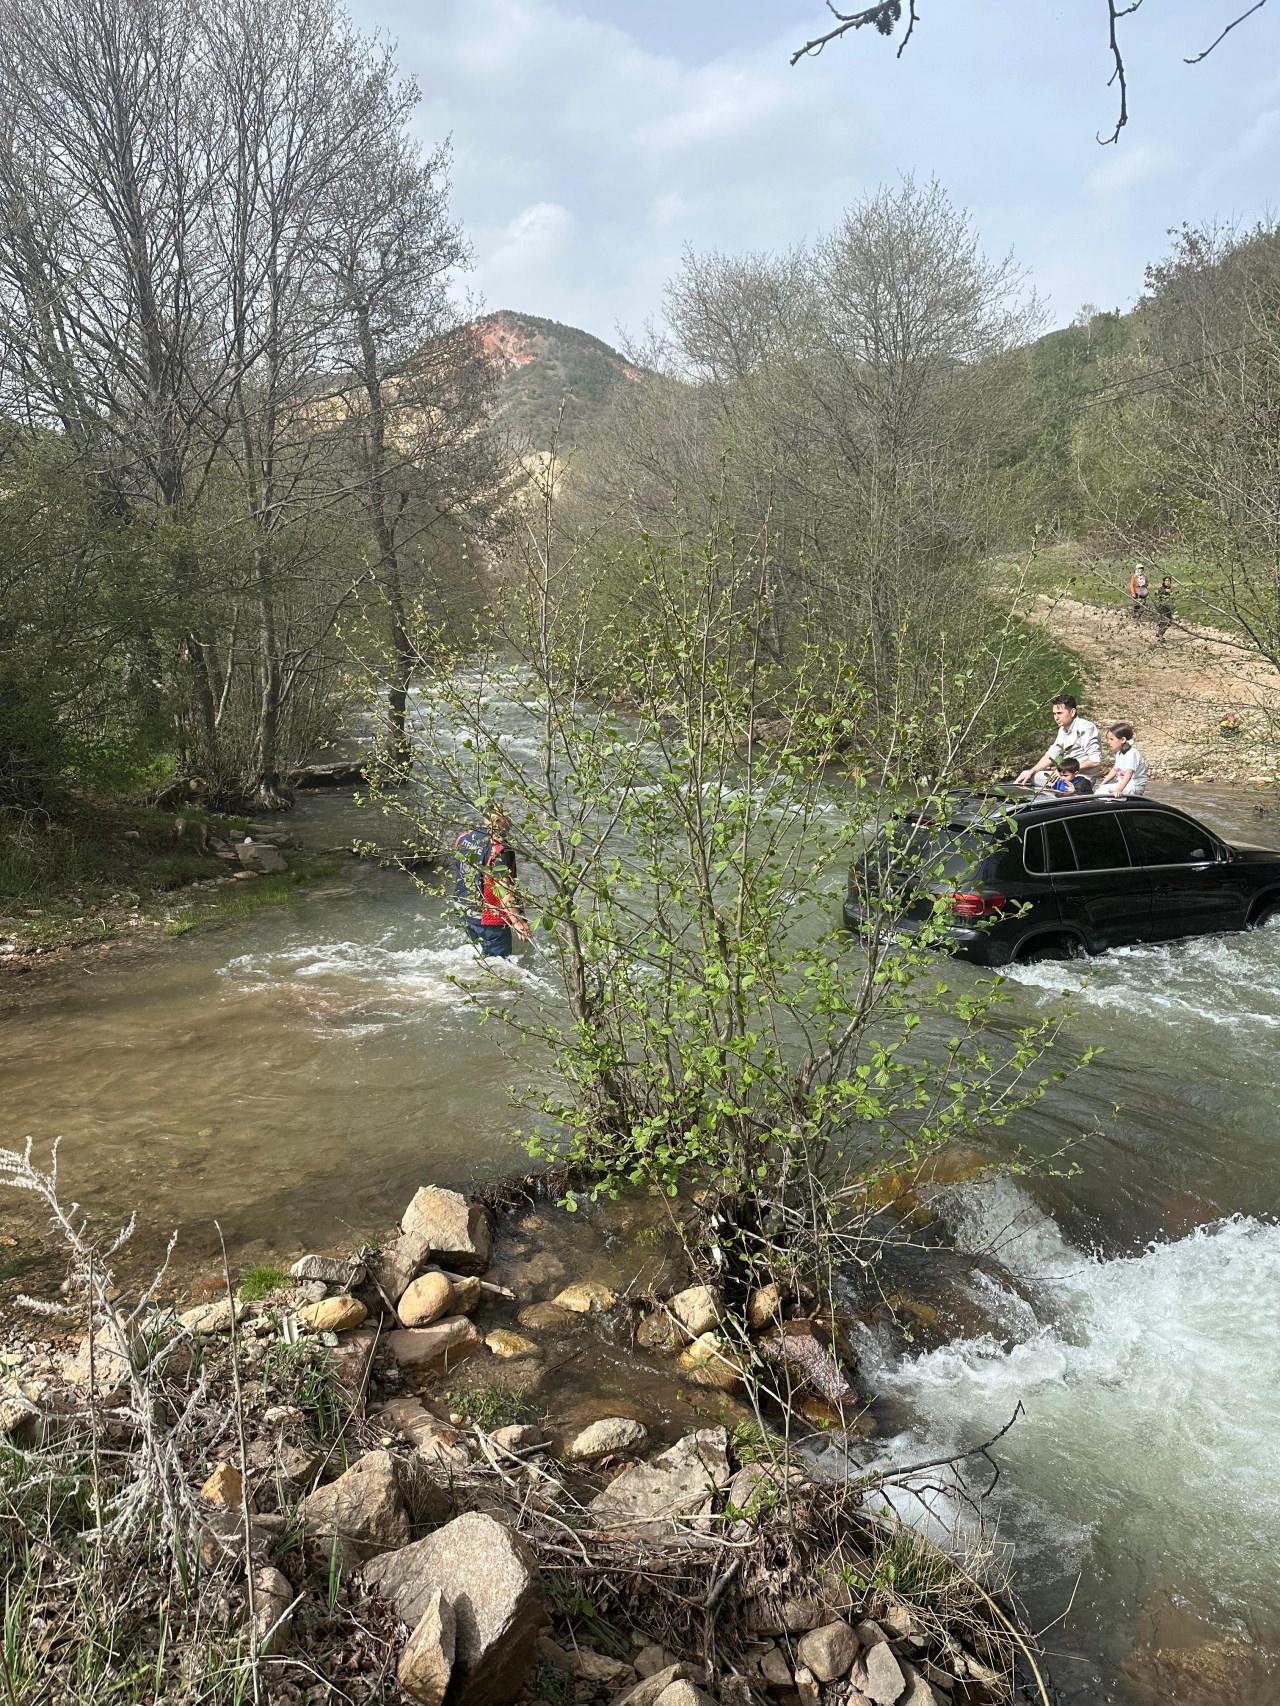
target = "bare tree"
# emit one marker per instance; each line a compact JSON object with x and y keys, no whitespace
{"x":417,"y":383}
{"x":885,"y":16}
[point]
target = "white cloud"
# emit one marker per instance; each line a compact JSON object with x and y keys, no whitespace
{"x":1122,"y":173}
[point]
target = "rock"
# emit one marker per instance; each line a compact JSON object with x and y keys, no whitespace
{"x":334,"y":1315}
{"x":548,"y":1318}
{"x":678,"y":1484}
{"x":283,"y":1465}
{"x":775,"y":1670}
{"x":650,"y":1689}
{"x":427,"y":1661}
{"x":828,"y":1650}
{"x":273,"y":1597}
{"x":764,"y":1308}
{"x":698,"y":1309}
{"x":225,"y":1487}
{"x":918,"y":1691}
{"x":598,"y":1667}
{"x":456,"y":1233}
{"x":651,"y":1659}
{"x":215,"y":1317}
{"x":710,"y":1362}
{"x":658,"y":1332}
{"x":735,"y":1690}
{"x":504,"y":1343}
{"x":363,"y":1511}
{"x":21,"y":1420}
{"x":885,"y":1682}
{"x":794,"y":1614}
{"x":519,"y":1436}
{"x":425,"y":1300}
{"x":605,"y":1438}
{"x":260,"y":856}
{"x":869,"y":1634}
{"x":810,"y":1362}
{"x":466,"y":1294}
{"x":534,"y":1273}
{"x":346,"y":1271}
{"x":681,"y":1692}
{"x":440,"y":1444}
{"x":441,"y":1346}
{"x":350,"y":1358}
{"x":585,"y":1297}
{"x":898,"y":1620}
{"x":807,"y":1691}
{"x":395,"y":1265}
{"x":489,"y":1575}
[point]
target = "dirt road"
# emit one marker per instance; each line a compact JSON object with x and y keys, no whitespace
{"x":1175,"y":694}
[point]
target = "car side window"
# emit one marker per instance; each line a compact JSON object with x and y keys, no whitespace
{"x":1156,"y":838}
{"x":1058,"y":845}
{"x":1033,"y":851}
{"x":1098,"y":842}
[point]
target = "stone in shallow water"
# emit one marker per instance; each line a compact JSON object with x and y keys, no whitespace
{"x":585,"y":1297}
{"x":611,"y":1434}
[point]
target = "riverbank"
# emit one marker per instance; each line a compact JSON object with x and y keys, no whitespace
{"x":110,"y":873}
{"x":453,"y":1461}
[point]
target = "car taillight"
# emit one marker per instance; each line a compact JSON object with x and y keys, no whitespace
{"x":978,"y":905}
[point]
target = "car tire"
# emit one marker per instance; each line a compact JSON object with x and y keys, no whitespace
{"x":1265,"y":912}
{"x":1053,"y":945}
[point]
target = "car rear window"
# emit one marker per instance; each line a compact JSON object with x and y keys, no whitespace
{"x":911,"y":847}
{"x":1098,"y":842}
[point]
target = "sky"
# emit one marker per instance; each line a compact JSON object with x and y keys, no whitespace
{"x":592,"y":142}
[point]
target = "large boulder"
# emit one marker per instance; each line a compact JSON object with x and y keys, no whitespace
{"x":393,"y":1268}
{"x":456,"y":1233}
{"x":361,"y":1513}
{"x":680,"y":1483}
{"x":426,"y":1664}
{"x":489,"y":1576}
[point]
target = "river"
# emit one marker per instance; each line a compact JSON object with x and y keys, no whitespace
{"x":297,"y":1075}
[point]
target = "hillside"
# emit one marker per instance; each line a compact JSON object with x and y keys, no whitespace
{"x":545,"y":364}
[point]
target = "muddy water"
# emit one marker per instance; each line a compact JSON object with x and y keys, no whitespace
{"x":297,"y":1075}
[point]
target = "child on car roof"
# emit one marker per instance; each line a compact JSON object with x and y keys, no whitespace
{"x":1068,"y":780}
{"x":1129,"y":772}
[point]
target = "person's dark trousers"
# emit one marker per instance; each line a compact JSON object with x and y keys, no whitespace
{"x":493,"y":940}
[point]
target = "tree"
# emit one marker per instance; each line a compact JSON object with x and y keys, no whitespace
{"x":418,"y":386}
{"x":721,"y":1036}
{"x":885,"y":16}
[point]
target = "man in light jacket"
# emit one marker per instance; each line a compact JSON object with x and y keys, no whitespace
{"x":1076,"y":738}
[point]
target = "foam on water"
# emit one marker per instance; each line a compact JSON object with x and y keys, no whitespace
{"x":1228,"y":980}
{"x":343,"y":980}
{"x":1148,"y":1454}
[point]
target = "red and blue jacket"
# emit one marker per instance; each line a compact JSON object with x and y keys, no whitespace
{"x":477,"y":860}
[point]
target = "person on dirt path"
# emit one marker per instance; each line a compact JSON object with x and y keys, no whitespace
{"x":1076,"y":738}
{"x":1164,"y":608}
{"x":1129,"y":772}
{"x":1139,"y":587}
{"x":484,"y":887}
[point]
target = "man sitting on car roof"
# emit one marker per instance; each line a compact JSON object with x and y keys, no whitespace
{"x":1076,"y":738}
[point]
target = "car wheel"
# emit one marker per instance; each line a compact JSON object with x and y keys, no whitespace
{"x":1264,"y":913}
{"x":1052,"y":947}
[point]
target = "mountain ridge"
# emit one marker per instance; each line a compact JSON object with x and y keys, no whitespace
{"x":555,"y":380}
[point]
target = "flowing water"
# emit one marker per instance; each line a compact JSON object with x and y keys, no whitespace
{"x":299,"y":1074}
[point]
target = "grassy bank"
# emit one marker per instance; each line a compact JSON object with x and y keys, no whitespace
{"x":99,"y":871}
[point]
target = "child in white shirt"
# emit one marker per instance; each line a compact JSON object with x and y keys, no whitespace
{"x":1129,"y":770}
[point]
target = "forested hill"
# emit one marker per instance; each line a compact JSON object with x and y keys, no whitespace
{"x":545,"y":364}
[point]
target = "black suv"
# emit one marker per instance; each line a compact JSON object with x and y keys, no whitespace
{"x":1009,"y":878}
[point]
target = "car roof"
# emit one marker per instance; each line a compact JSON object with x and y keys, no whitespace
{"x":986,"y":806}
